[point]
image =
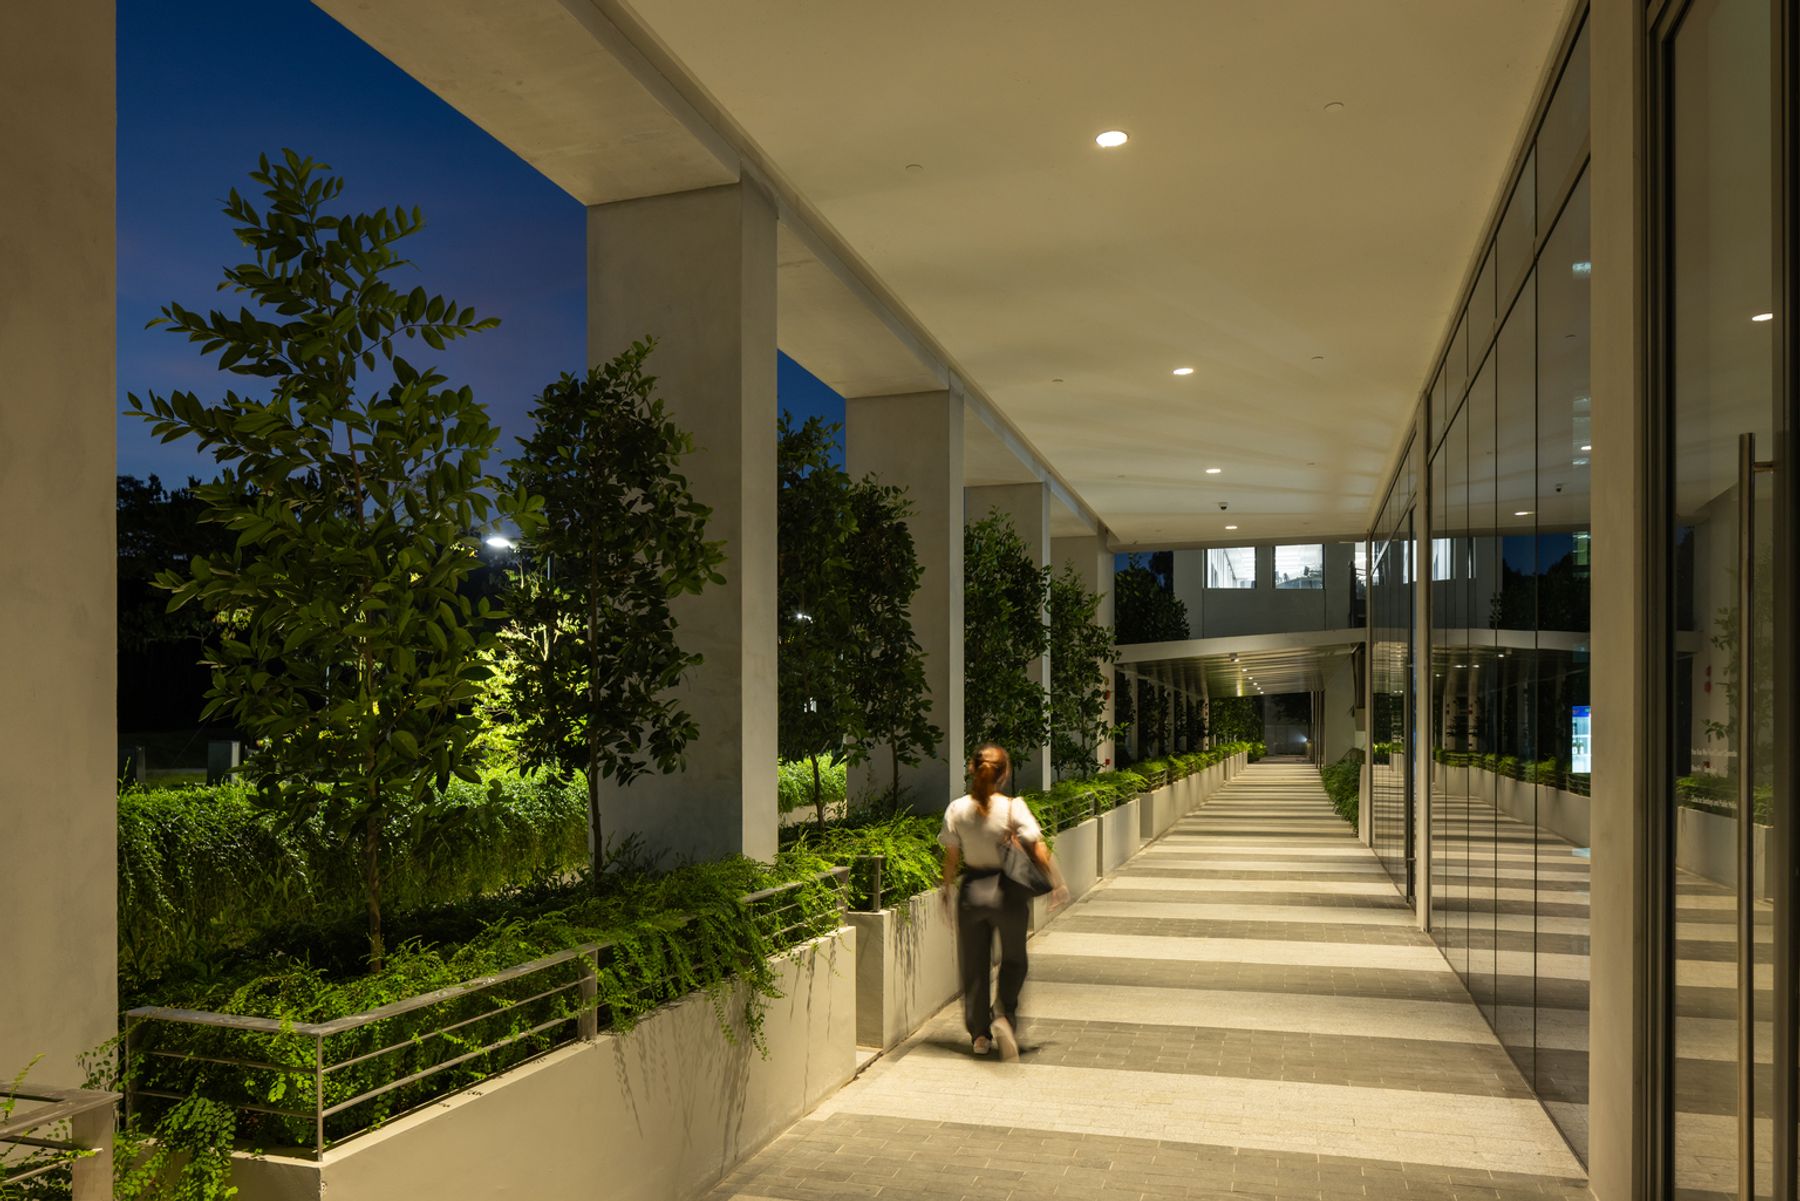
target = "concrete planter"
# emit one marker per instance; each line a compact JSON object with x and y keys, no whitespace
{"x":1078,"y":856}
{"x":905,"y":968}
{"x":1119,"y":836}
{"x":1706,"y":844}
{"x":1156,"y":812}
{"x":662,"y":1112}
{"x":1564,"y":814}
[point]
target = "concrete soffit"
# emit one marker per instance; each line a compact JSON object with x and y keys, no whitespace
{"x":587,"y":93}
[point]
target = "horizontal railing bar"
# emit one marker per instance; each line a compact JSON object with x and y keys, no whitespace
{"x":48,"y":1144}
{"x":12,"y":1178}
{"x":226,"y":1021}
{"x":64,"y":1104}
{"x":279,"y":1113}
{"x":391,"y":1085}
{"x":232,"y":1063}
{"x":424,"y":1000}
{"x":839,"y":873}
{"x":442,"y":1030}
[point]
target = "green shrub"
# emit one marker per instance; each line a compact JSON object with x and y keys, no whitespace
{"x":794,"y":781}
{"x":204,"y":870}
{"x":1343,"y":784}
{"x":912,"y":860}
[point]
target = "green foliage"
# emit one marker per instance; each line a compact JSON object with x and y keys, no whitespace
{"x":357,"y":656}
{"x":1143,"y":610}
{"x":794,"y":782}
{"x":1235,"y":719}
{"x":851,"y":672}
{"x":912,"y":860}
{"x":160,"y":529}
{"x":619,"y":535}
{"x":1081,"y":654}
{"x":1004,"y":633}
{"x":1073,"y":801}
{"x":204,"y":872}
{"x":1343,"y":784}
{"x":666,"y":936}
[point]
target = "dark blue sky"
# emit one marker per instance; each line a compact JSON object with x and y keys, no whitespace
{"x":205,"y":86}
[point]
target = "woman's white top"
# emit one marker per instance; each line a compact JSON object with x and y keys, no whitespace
{"x":981,"y":836}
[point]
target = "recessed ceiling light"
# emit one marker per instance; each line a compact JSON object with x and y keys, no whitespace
{"x":1183,"y":371}
{"x":1588,"y":447}
{"x":1231,"y":527}
{"x":1763,"y":317}
{"x":1523,"y":513}
{"x":1214,"y":470}
{"x":1111,"y":138}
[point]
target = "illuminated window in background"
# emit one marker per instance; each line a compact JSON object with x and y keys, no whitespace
{"x":1361,"y":555}
{"x":1443,"y":559}
{"x":1300,"y":566}
{"x":1231,"y":567}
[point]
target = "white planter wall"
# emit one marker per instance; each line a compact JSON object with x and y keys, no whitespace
{"x":1119,"y":836}
{"x":905,"y":968}
{"x":1706,"y":844}
{"x":658,"y":1114}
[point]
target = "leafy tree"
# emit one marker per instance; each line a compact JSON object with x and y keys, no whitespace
{"x":356,"y":658}
{"x":1236,"y":719}
{"x":1004,"y":632}
{"x":594,"y":655}
{"x":160,"y":529}
{"x":815,"y":525}
{"x":889,"y":693}
{"x":851,"y":673}
{"x":1143,"y":609}
{"x":1081,"y":652}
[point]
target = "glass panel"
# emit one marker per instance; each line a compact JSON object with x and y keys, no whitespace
{"x":1440,"y":416}
{"x":1300,"y":566}
{"x":1456,"y":365}
{"x":1516,"y":243}
{"x":1481,"y":309}
{"x":1478,"y":661}
{"x":1231,"y":567}
{"x":1515,"y":649}
{"x":1562,"y":139}
{"x":1722,"y":384}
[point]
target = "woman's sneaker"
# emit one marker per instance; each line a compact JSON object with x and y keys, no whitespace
{"x":1006,"y":1040}
{"x":981,"y":1046}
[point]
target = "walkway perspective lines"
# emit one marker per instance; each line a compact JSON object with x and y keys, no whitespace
{"x":1246,"y":1009}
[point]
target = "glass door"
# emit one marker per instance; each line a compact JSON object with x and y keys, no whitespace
{"x":1720,"y":372}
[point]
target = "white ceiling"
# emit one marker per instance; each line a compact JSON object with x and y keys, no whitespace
{"x":1243,"y":231}
{"x":1302,"y":261}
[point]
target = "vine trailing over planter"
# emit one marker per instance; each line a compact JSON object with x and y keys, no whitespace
{"x":1004,"y":632}
{"x":352,"y":656}
{"x":615,"y":538}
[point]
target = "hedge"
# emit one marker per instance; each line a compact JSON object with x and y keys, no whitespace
{"x":1071,"y":802}
{"x":204,"y":871}
{"x":794,"y":782}
{"x":1343,"y":784}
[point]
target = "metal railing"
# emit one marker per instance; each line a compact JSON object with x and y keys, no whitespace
{"x":79,"y":1122}
{"x":292,"y":1074}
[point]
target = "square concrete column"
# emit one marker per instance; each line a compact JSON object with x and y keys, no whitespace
{"x":58,"y":624}
{"x":1028,"y":505}
{"x":696,"y":270}
{"x":916,"y":442}
{"x":1093,"y":566}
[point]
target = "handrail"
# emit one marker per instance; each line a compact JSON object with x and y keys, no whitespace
{"x":551,"y":1031}
{"x":89,"y":1115}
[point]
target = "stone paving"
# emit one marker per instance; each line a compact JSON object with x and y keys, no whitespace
{"x":1246,"y":1009}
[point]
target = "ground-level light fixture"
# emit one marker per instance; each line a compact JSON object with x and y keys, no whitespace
{"x":1111,"y":138}
{"x":1763,"y":317}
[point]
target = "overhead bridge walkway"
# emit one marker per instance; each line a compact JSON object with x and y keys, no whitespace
{"x":1245,"y":1009}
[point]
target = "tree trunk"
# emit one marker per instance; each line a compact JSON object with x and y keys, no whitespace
{"x":596,"y":846}
{"x":818,"y":794}
{"x":372,"y":884}
{"x":894,"y":775}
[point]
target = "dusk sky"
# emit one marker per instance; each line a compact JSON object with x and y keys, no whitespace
{"x":206,"y":86}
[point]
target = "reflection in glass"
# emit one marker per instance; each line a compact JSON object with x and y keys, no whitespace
{"x":1722,"y":387}
{"x":1300,"y":566}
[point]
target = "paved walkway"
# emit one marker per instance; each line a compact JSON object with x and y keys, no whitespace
{"x":1246,"y":1009}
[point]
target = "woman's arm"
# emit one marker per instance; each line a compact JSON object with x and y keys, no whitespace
{"x":952,"y":863}
{"x":1047,"y":863}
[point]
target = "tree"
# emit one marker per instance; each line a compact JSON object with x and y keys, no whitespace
{"x":593,"y":646}
{"x":815,"y":522}
{"x":1004,"y":632}
{"x":889,"y":691}
{"x":1236,"y":719}
{"x":1143,"y":609}
{"x":355,"y":659}
{"x":1081,"y":654}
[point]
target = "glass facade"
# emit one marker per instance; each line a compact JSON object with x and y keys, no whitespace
{"x":1390,"y":611}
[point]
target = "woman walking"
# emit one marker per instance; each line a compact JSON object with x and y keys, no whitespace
{"x":977,"y":829}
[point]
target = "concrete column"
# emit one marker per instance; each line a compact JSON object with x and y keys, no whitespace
{"x":916,"y":442}
{"x":1028,"y":505}
{"x":1620,"y":1113}
{"x":58,"y":625}
{"x":696,"y":270}
{"x":1092,"y":563}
